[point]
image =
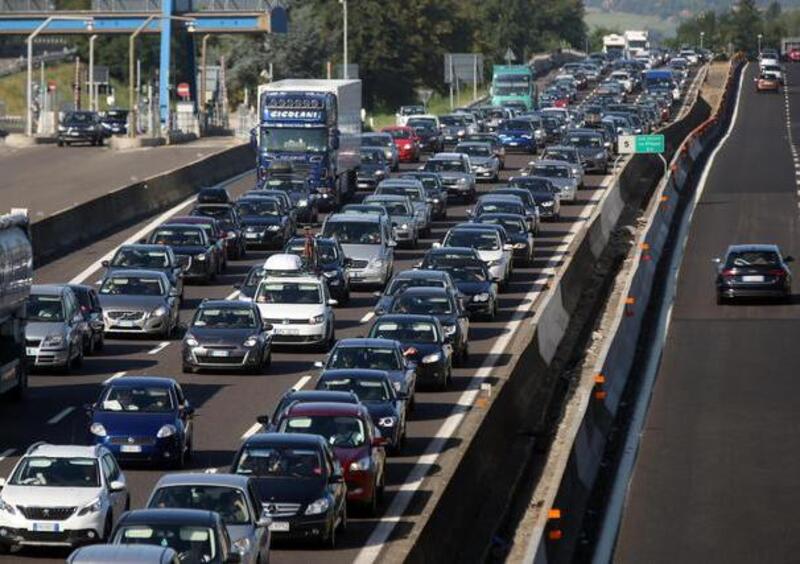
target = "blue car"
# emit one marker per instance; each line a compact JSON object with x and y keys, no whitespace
{"x":143,"y":418}
{"x":518,"y":134}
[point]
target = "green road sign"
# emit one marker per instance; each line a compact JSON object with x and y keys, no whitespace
{"x":638,"y":144}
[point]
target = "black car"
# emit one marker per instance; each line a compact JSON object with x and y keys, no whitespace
{"x":532,"y":217}
{"x":435,"y":192}
{"x":115,"y":121}
{"x":196,"y":535}
{"x":264,"y":223}
{"x":591,"y":148}
{"x":227,"y":335}
{"x":416,"y":278}
{"x":92,"y":312}
{"x":374,"y":389}
{"x":424,"y":341}
{"x":753,"y":271}
{"x":374,"y":168}
{"x":324,"y":257}
{"x":247,"y":288}
{"x":81,"y":127}
{"x":470,"y":275}
{"x":228,"y":219}
{"x":544,"y":192}
{"x":300,"y":484}
{"x":192,"y":242}
{"x":443,"y":305}
{"x":430,"y":138}
{"x":518,"y":233}
{"x":304,"y":198}
{"x":294,"y":397}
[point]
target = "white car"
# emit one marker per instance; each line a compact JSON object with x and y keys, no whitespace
{"x":299,"y":308}
{"x":62,"y":495}
{"x":624,"y":78}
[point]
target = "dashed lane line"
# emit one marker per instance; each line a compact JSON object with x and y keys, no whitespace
{"x":60,"y":415}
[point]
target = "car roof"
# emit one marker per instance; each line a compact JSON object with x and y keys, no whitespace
{"x":321,"y":395}
{"x":144,"y":247}
{"x":499,"y":197}
{"x":425,"y":290}
{"x":466,"y":251}
{"x":754,"y":247}
{"x":447,"y":156}
{"x":354,"y":217}
{"x":386,"y":198}
{"x":411,"y":317}
{"x":364,"y":342}
{"x":48,"y":289}
{"x":332,"y":373}
{"x":509,"y":216}
{"x":121,"y":554}
{"x":226,"y":304}
{"x":135,"y":272}
{"x":177,"y":516}
{"x":397,"y":181}
{"x":299,"y":279}
{"x":197,"y":478}
{"x":189,"y":220}
{"x":155,"y":381}
{"x":184,"y":225}
{"x":550,"y":162}
{"x":560,"y":148}
{"x":325,"y":408}
{"x":63,"y":451}
{"x":420,"y":273}
{"x":285,"y":439}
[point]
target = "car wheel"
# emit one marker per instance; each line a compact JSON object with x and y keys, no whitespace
{"x":79,"y":358}
{"x":60,"y":143}
{"x":107,"y":526}
{"x":88,"y":346}
{"x":101,"y":341}
{"x":187,"y":368}
{"x":372,"y":507}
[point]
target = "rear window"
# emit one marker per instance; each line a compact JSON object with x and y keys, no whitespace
{"x":744,"y":259}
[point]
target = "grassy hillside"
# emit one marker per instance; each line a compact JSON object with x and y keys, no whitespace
{"x":628,"y":20}
{"x":12,"y":88}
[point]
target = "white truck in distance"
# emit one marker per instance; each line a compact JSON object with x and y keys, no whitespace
{"x":637,"y":44}
{"x":614,"y":45}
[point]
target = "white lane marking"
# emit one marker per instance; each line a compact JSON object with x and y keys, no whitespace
{"x":233,"y":296}
{"x":60,"y":415}
{"x":160,"y":347}
{"x":301,"y":382}
{"x":116,"y":375}
{"x":255,"y":428}
{"x":98,"y":264}
{"x":6,"y":453}
{"x":367,"y":316}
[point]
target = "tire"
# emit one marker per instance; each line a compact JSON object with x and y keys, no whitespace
{"x":101,"y":342}
{"x":60,"y":143}
{"x":107,"y":526}
{"x":78,"y":362}
{"x":373,"y":508}
{"x":88,"y":346}
{"x":187,"y":369}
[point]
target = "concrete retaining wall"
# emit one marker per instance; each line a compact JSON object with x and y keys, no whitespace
{"x":85,"y":223}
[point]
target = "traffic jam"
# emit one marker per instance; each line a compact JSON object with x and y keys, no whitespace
{"x":369,"y":271}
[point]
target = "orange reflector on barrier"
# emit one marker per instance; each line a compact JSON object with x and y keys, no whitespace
{"x":600,"y":394}
{"x":630,"y":300}
{"x":555,"y":534}
{"x":645,"y":246}
{"x":554,"y":514}
{"x":599,"y":379}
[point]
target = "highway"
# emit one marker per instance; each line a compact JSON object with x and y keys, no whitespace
{"x":228,"y":403}
{"x":716,"y":475}
{"x":48,"y":179}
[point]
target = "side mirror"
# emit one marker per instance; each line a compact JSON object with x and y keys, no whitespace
{"x":263,"y":419}
{"x":319,"y":364}
{"x":183,"y":261}
{"x":403,"y":396}
{"x":789,"y":258}
{"x":173,"y":292}
{"x":264,"y":522}
{"x":392,"y":243}
{"x":105,"y":263}
{"x":469,"y":211}
{"x":436,"y":245}
{"x":116,"y":486}
{"x":268,"y":327}
{"x":508,"y":247}
{"x":188,"y":410}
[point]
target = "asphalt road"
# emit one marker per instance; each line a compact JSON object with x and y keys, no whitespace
{"x":716,"y":476}
{"x":47,"y":179}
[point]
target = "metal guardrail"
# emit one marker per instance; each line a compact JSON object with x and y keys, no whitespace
{"x":19,"y":64}
{"x":180,"y":5}
{"x":126,"y":5}
{"x":12,"y":124}
{"x":27,"y":5}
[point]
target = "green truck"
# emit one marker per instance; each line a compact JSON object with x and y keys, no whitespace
{"x":514,"y":85}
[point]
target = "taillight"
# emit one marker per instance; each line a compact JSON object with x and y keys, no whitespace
{"x":777,"y":272}
{"x":728,"y":273}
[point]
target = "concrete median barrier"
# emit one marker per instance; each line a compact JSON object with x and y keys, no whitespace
{"x":79,"y":225}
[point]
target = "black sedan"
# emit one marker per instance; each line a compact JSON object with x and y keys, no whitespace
{"x":374,"y":168}
{"x":263,"y":222}
{"x":544,"y":192}
{"x":470,"y":275}
{"x":229,"y":221}
{"x":424,"y":342}
{"x":324,"y":257}
{"x":517,"y":229}
{"x":416,"y":278}
{"x":81,"y":127}
{"x":227,"y":335}
{"x":435,"y":192}
{"x":753,"y":271}
{"x":192,"y":242}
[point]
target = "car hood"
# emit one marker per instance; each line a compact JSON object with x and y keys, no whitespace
{"x":137,"y":303}
{"x":361,"y":252}
{"x":453,"y":175}
{"x":453,"y":129}
{"x":472,"y":288}
{"x":133,"y":424}
{"x":289,"y":490}
{"x":481,"y":161}
{"x":290,"y":311}
{"x":487,"y":256}
{"x":589,"y":152}
{"x":562,"y":183}
{"x":41,"y":329}
{"x":379,"y":409}
{"x":260,"y":220}
{"x":42,"y":496}
{"x":206,"y":336}
{"x":423,"y":349}
{"x":370,"y":169}
{"x":189,"y":250}
{"x":112,"y":269}
{"x":399,"y":219}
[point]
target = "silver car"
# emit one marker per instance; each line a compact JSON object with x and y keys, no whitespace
{"x":559,"y":173}
{"x":139,"y":301}
{"x":401,"y":212}
{"x":367,"y":243}
{"x":56,"y":330}
{"x":485,"y":163}
{"x":415,"y":191}
{"x":569,"y":155}
{"x":232,"y":496}
{"x":455,"y":170}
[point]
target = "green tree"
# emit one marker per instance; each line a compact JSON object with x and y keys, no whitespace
{"x":746,"y":25}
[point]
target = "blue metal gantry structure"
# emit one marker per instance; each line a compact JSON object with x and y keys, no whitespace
{"x":23,"y":17}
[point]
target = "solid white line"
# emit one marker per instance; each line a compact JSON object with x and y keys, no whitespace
{"x":233,"y":296}
{"x":6,"y":453}
{"x":301,"y":382}
{"x":60,"y":415}
{"x":98,"y":264}
{"x":116,"y":375}
{"x":251,"y":431}
{"x":161,"y":346}
{"x":367,"y":316}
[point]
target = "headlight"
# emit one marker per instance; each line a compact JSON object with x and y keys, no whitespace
{"x":436,"y":200}
{"x":600,"y":155}
{"x":388,"y":153}
{"x":274,"y":228}
{"x":461,"y":132}
{"x":482,"y":297}
{"x":7,"y":507}
{"x":548,"y":204}
{"x":316,"y":320}
{"x":449,"y":330}
{"x":160,"y":311}
{"x":387,"y":421}
{"x":251,"y":341}
{"x":404,"y":226}
{"x":53,"y":341}
{"x":380,"y":173}
{"x":319,"y":506}
{"x":377,"y":263}
{"x":361,"y":465}
{"x":302,"y":204}
{"x":329,"y":273}
{"x":98,"y":430}
{"x":92,"y":507}
{"x":431,"y":358}
{"x":520,"y":245}
{"x":201,"y":256}
{"x":191,"y":341}
{"x":396,"y":386}
{"x":463,"y":181}
{"x":166,"y":431}
{"x":242,"y":545}
{"x":61,"y":128}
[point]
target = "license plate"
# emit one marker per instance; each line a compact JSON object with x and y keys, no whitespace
{"x":46,"y":527}
{"x":251,"y":235}
{"x":75,"y":134}
{"x":31,"y":351}
{"x":126,"y":324}
{"x":281,"y":331}
{"x":363,"y":185}
{"x":514,"y":143}
{"x":279,"y":526}
{"x":356,"y":275}
{"x":219,"y":353}
{"x":130,"y":448}
{"x":752,"y":278}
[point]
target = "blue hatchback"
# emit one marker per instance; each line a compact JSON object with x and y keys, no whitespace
{"x":143,"y":418}
{"x":518,"y":135}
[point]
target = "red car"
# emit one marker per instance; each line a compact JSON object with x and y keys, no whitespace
{"x":794,"y":55}
{"x":407,"y":142}
{"x":355,"y":441}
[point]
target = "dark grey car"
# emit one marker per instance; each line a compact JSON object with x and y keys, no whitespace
{"x":591,"y":148}
{"x":56,"y":328}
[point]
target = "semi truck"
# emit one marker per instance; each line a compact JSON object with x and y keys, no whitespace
{"x":315,"y":125}
{"x":514,"y":85}
{"x":16,"y":277}
{"x":614,"y":45}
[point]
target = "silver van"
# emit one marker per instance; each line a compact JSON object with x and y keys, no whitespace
{"x":368,"y":245}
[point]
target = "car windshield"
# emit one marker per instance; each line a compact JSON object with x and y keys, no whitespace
{"x":222,"y":213}
{"x":395,"y":207}
{"x":285,"y":184}
{"x":399,"y":284}
{"x":230,"y":503}
{"x":411,"y":191}
{"x":499,"y":206}
{"x":437,"y":165}
{"x":339,"y":431}
{"x":225,"y":318}
{"x":560,"y":156}
{"x":131,"y":286}
{"x":511,"y":225}
{"x":79,"y":118}
{"x":288,"y":293}
{"x":466,"y":273}
{"x":139,"y":258}
{"x":372,"y":157}
{"x":193,"y":544}
{"x":367,"y":389}
{"x":474,"y":150}
{"x":354,"y":233}
{"x":327,"y":253}
{"x":743,"y":259}
{"x":422,"y":304}
{"x":142,"y":399}
{"x":375,"y":358}
{"x":54,"y":472}
{"x":550,"y":171}
{"x":279,"y":462}
{"x":45,"y":308}
{"x":584,"y":141}
{"x":453,"y":120}
{"x":422,"y":123}
{"x":405,"y":331}
{"x":399,"y":133}
{"x":291,"y":140}
{"x":411,"y":110}
{"x":474,"y":238}
{"x":262,"y":208}
{"x":518,"y":124}
{"x":178,"y":237}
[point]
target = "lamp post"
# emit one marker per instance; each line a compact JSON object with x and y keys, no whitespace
{"x":702,"y":36}
{"x":344,"y":30}
{"x":92,"y":97}
{"x":29,"y":82}
{"x":202,"y":90}
{"x":760,"y":37}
